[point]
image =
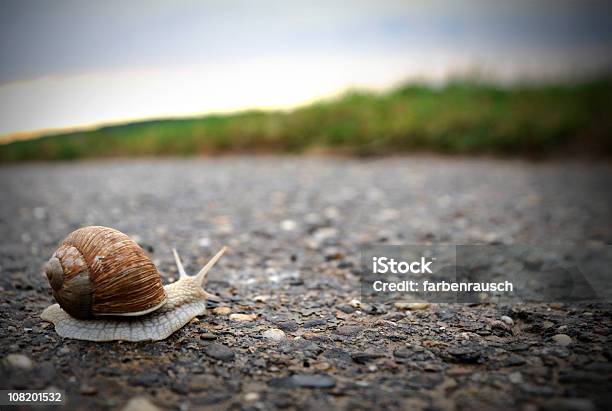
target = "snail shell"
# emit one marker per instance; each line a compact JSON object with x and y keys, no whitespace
{"x":101,"y":271}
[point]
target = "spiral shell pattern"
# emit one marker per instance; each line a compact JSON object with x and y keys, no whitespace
{"x":109,"y":269}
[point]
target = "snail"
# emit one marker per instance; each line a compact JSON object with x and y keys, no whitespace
{"x":108,"y":289}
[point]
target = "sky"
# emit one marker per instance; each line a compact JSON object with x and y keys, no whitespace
{"x":67,"y":63}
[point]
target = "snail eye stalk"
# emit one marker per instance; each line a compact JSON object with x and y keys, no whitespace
{"x":199,"y":277}
{"x":179,"y":265}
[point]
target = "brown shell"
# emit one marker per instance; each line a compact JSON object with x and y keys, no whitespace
{"x":101,"y":271}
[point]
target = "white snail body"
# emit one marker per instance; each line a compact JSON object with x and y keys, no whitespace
{"x":107,"y":289}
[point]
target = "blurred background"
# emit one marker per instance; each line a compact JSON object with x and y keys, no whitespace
{"x":360,"y":77}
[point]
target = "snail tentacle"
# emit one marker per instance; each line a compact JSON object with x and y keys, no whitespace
{"x":199,"y":277}
{"x":179,"y":265}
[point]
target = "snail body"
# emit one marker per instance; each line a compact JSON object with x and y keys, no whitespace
{"x":108,"y":289}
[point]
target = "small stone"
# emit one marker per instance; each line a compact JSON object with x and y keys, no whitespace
{"x":414,"y":353}
{"x":364,"y":357}
{"x":401,"y":305}
{"x":507,"y":320}
{"x":87,"y":389}
{"x":288,"y":225}
{"x":347,"y":309}
{"x":204,"y":242}
{"x":274,"y":334}
{"x":261,"y":298}
{"x":374,"y":309}
{"x":201,"y":383}
{"x":515,"y":378}
{"x":315,"y":323}
{"x":337,"y":355}
{"x":208,"y":336}
{"x":355,"y":303}
{"x":496,"y":324}
{"x":340,"y":315}
{"x":322,"y":366}
{"x":348,"y":329}
{"x":313,"y":380}
{"x":243,"y":317}
{"x":251,"y":397}
{"x":466,"y":354}
{"x":513,"y":361}
{"x":219,"y":352}
{"x":288,"y":326}
{"x":221,"y":310}
{"x":140,"y":404}
{"x":18,"y":361}
{"x":562,"y":339}
{"x":281,"y":382}
{"x":324,"y":234}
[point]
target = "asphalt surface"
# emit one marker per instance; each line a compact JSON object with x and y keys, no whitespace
{"x":295,"y":228}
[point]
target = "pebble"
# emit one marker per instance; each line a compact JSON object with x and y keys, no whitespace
{"x":274,"y":334}
{"x":208,"y":336}
{"x":288,"y":326}
{"x":349,"y":329}
{"x":323,"y":234}
{"x":373,"y":309}
{"x":288,"y":225}
{"x":355,"y":303}
{"x":19,"y":361}
{"x":346,"y":308}
{"x":204,"y":242}
{"x":562,"y":339}
{"x":200,"y":382}
{"x":221,"y":310}
{"x":251,"y":397}
{"x":322,"y":366}
{"x":243,"y":317}
{"x":400,"y":305}
{"x":364,"y":357}
{"x":466,"y":354}
{"x":515,"y":378}
{"x":261,"y":298}
{"x":140,"y":404}
{"x":314,"y":323}
{"x":87,"y":389}
{"x":507,"y":320}
{"x":219,"y":352}
{"x":313,"y":380}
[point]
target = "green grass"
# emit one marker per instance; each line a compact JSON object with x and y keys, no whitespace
{"x":461,"y":117}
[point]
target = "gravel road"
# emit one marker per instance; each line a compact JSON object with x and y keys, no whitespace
{"x":294,"y":227}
